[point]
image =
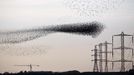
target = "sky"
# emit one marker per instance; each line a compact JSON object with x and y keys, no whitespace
{"x":60,"y":51}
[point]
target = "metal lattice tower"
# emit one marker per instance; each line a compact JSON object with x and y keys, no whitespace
{"x":106,"y":52}
{"x":30,"y":66}
{"x":100,"y":57}
{"x":106,"y":55}
{"x":95,"y":68}
{"x":122,"y":48}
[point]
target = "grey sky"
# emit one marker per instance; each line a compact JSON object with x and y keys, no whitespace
{"x":62,"y":51}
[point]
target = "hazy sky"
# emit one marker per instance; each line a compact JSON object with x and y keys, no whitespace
{"x":58,"y":52}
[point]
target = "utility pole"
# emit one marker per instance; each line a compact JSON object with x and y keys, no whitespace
{"x":95,"y":68}
{"x":122,"y":48}
{"x":30,"y":66}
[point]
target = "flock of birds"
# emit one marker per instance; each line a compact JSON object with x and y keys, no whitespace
{"x":85,"y":29}
{"x":91,"y":29}
{"x":92,"y":7}
{"x":88,"y":7}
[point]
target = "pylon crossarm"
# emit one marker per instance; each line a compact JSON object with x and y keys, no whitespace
{"x":124,"y":48}
{"x":105,"y":52}
{"x":128,"y":61}
{"x":117,"y":35}
{"x":100,"y":59}
{"x":95,"y":60}
{"x":122,"y":61}
{"x":35,"y":65}
{"x":94,"y":55}
{"x":104,"y":60}
{"x":96,"y":51}
{"x":109,"y":61}
{"x":117,"y":48}
{"x":116,"y":61}
{"x":128,"y":48}
{"x":106,"y":43}
{"x":128,"y":35}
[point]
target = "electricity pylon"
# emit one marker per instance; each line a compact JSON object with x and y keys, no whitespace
{"x":106,"y":52}
{"x":100,"y":58}
{"x":30,"y":66}
{"x":122,"y":48}
{"x":95,"y":68}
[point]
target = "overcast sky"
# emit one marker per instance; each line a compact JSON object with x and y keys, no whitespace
{"x":58,"y":52}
